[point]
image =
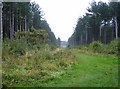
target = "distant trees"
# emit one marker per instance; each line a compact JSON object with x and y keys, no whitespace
{"x":59,"y":42}
{"x":100,"y":23}
{"x":21,"y":17}
{"x":51,"y":36}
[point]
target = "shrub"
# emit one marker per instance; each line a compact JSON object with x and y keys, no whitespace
{"x":33,"y":37}
{"x":23,"y":62}
{"x":113,"y":46}
{"x":15,"y":47}
{"x":96,"y":46}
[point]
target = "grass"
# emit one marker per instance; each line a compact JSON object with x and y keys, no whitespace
{"x":91,"y":71}
{"x":59,"y":68}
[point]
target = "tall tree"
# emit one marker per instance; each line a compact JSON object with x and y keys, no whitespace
{"x":115,"y":13}
{"x":21,"y":17}
{"x":98,"y":24}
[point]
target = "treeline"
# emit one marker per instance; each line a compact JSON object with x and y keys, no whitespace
{"x":100,"y":23}
{"x":22,"y":17}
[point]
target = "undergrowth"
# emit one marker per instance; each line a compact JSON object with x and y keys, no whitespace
{"x":29,"y":63}
{"x":25,"y":63}
{"x":96,"y":47}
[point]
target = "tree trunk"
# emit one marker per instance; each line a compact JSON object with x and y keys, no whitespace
{"x":100,"y":32}
{"x":11,"y":24}
{"x":1,"y":30}
{"x":112,"y":34}
{"x":105,"y":36}
{"x":116,"y":28}
{"x":25,"y":23}
{"x":1,"y":37}
{"x":20,"y":27}
{"x":81,"y":39}
{"x":17,"y":21}
{"x":28,"y":26}
{"x":118,"y":19}
{"x":86,"y":37}
{"x":12,"y":27}
{"x":17,"y":25}
{"x":23,"y":29}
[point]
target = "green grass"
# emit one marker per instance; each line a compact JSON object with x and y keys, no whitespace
{"x":91,"y":71}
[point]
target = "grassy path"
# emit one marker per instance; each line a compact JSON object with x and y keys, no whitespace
{"x":91,"y":71}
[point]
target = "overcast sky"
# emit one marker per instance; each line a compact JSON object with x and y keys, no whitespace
{"x":62,"y":15}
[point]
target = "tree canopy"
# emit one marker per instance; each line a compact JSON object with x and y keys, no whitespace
{"x":22,"y":17}
{"x":100,"y":23}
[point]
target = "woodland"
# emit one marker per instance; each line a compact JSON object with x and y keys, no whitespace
{"x":33,"y":57}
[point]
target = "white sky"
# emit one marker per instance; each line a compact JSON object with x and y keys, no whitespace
{"x":62,"y":15}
